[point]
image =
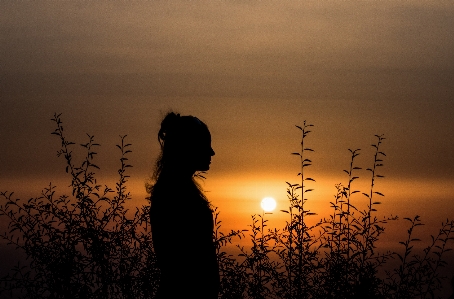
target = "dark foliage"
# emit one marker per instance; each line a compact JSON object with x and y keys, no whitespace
{"x":88,"y":245}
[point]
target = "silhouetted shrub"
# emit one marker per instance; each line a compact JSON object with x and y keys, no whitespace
{"x":83,"y":246}
{"x":89,"y":246}
{"x":337,"y":257}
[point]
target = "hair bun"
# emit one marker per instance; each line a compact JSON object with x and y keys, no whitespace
{"x":168,"y":124}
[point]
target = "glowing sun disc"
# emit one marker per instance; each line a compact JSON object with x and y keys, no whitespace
{"x":268,"y":204}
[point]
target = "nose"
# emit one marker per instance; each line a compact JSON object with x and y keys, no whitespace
{"x":212,"y":153}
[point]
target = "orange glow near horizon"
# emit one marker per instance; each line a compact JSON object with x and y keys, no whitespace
{"x":238,"y":197}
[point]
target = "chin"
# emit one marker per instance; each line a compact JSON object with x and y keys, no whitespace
{"x":204,"y":168}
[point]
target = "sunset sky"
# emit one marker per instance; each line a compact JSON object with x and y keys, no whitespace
{"x":251,"y":70}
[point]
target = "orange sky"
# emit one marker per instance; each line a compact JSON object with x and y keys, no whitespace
{"x":251,"y":70}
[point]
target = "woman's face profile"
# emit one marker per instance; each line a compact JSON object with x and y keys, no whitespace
{"x":188,"y":148}
{"x":203,"y":153}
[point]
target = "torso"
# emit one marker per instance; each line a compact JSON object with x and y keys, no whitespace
{"x":182,"y":233}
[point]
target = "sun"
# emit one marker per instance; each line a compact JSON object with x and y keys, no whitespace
{"x":268,"y":204}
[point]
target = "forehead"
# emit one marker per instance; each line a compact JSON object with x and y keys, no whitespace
{"x":205,"y":134}
{"x":198,"y":131}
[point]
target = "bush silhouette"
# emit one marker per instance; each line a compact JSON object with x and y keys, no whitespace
{"x":84,"y":246}
{"x":89,"y":246}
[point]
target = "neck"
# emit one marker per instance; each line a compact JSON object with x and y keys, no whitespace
{"x":178,"y":173}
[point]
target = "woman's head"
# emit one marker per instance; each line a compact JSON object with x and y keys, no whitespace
{"x":185,"y":144}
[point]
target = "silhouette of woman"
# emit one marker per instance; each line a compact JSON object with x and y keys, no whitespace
{"x":180,"y":215}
